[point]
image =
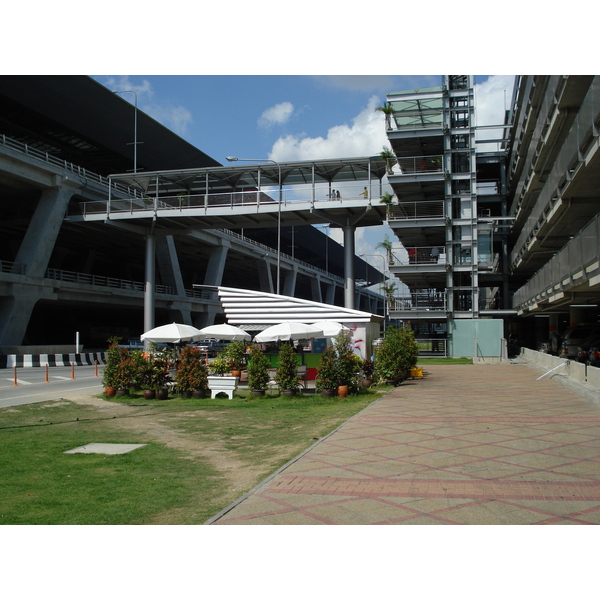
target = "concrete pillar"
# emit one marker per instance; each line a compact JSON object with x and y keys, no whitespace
{"x":216,"y":265}
{"x":265,"y":276}
{"x":576,"y":316}
{"x":315,"y":289}
{"x":15,"y":313}
{"x":330,"y":293}
{"x":289,"y":281}
{"x":168,"y":264}
{"x":349,"y":266}
{"x":38,"y":243}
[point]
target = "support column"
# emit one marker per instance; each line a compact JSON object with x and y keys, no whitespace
{"x":37,"y":245}
{"x":265,"y":276}
{"x":349,"y":265}
{"x":330,"y":293}
{"x":15,"y":313}
{"x":168,"y":264}
{"x":216,"y":265}
{"x":315,"y":289}
{"x":289,"y":282}
{"x":150,"y":284}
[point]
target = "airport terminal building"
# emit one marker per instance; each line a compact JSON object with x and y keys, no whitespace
{"x":490,"y":245}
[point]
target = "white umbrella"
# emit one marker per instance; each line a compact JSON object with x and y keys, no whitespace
{"x":331,"y":328}
{"x":225,"y":332}
{"x":173,"y":332}
{"x":289,"y":331}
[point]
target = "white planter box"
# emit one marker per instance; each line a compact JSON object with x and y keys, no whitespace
{"x":217,"y":384}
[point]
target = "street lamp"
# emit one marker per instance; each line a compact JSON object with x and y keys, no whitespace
{"x":135,"y":142}
{"x":385,"y":312}
{"x":234,"y":159}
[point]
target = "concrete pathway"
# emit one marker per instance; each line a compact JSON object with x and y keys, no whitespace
{"x":468,"y":444}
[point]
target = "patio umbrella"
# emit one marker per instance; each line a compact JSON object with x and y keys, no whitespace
{"x":330,"y":328}
{"x":289,"y":330}
{"x":225,"y":332}
{"x":173,"y":332}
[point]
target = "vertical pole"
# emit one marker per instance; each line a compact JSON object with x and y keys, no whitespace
{"x":149,"y":286}
{"x":349,"y":266}
{"x":15,"y":383}
{"x":279,"y":235}
{"x":46,"y":380}
{"x":72,"y":370}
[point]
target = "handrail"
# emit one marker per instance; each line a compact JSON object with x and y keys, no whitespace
{"x":63,"y":164}
{"x":428,"y":209}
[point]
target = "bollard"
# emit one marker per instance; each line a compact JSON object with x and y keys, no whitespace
{"x":47,"y":374}
{"x":72,"y":370}
{"x":96,"y":371}
{"x":15,"y":383}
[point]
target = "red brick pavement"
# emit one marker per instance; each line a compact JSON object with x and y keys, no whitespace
{"x":468,"y":444}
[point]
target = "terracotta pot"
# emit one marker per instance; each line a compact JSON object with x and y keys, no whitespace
{"x":367,"y":383}
{"x":342,"y":391}
{"x":258,"y":392}
{"x":110,"y":392}
{"x":121,"y":392}
{"x":162,"y":394}
{"x":328,"y":393}
{"x":199,"y":393}
{"x":289,"y":393}
{"x":149,"y":394}
{"x":236,"y":373}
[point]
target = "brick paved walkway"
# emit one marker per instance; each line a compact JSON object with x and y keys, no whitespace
{"x":468,"y":444}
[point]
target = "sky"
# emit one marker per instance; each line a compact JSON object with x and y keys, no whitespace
{"x":293,"y":117}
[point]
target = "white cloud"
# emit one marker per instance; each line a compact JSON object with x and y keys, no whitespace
{"x":365,"y":137}
{"x":176,"y":118}
{"x":492,"y":99}
{"x":276,"y":115}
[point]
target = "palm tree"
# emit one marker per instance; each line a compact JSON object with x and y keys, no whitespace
{"x":390,"y":159}
{"x":388,"y":290}
{"x":387,"y":246}
{"x":388,"y":111}
{"x":386,"y":198}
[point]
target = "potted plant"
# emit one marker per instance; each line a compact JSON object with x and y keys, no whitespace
{"x":161,"y":377}
{"x":390,"y":159}
{"x":327,"y":379}
{"x":347,"y":363}
{"x":235,"y":355}
{"x":125,"y":375}
{"x":258,"y":370}
{"x":191,"y":375}
{"x":219,"y":366}
{"x":287,"y":372}
{"x":388,"y":111}
{"x":218,"y":382}
{"x":386,"y":198}
{"x":368,"y":368}
{"x":396,"y":355}
{"x":113,"y":358}
{"x":144,"y":376}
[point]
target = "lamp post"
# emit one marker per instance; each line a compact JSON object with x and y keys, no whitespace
{"x":385,"y":312}
{"x":234,"y":159}
{"x":135,"y":142}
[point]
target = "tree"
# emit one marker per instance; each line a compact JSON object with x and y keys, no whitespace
{"x":386,"y":198}
{"x":396,"y":355}
{"x":387,"y":245}
{"x":388,"y":111}
{"x":327,"y":379}
{"x":258,"y":369}
{"x":287,"y":372}
{"x":390,"y":159}
{"x":192,"y":373}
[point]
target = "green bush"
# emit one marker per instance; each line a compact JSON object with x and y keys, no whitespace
{"x":258,"y":369}
{"x":396,"y":355}
{"x":287,"y":372}
{"x":327,"y":378}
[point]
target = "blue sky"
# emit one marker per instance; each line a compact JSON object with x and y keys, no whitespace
{"x":291,"y":117}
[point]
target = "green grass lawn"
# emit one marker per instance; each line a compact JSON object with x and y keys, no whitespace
{"x":200,"y":456}
{"x":423,"y":361}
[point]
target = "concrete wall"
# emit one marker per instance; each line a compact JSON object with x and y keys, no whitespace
{"x":574,"y":371}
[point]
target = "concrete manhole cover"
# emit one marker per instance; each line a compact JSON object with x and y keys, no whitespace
{"x":96,"y":448}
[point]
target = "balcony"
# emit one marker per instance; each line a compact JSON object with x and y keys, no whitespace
{"x":420,"y":301}
{"x":417,"y":211}
{"x":419,"y":165}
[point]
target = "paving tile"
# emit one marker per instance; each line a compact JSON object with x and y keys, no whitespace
{"x":468,"y":444}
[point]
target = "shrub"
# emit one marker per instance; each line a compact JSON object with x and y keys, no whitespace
{"x":347,"y":363}
{"x":287,"y":372}
{"x":258,"y":369}
{"x":235,"y":354}
{"x":396,"y":355}
{"x":191,"y":370}
{"x":327,"y":378}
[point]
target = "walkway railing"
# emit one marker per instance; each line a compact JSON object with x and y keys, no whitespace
{"x":421,"y":255}
{"x":65,"y":165}
{"x":429,"y":209}
{"x":432,"y":346}
{"x":415,"y":165}
{"x":425,"y":300}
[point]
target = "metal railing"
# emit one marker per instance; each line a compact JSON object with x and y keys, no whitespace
{"x":428,"y":209}
{"x":582,"y":250}
{"x":421,"y":255}
{"x":423,"y":300}
{"x":432,"y":346}
{"x":416,"y":165}
{"x":54,"y":161}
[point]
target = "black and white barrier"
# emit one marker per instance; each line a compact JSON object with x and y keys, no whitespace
{"x":9,"y":361}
